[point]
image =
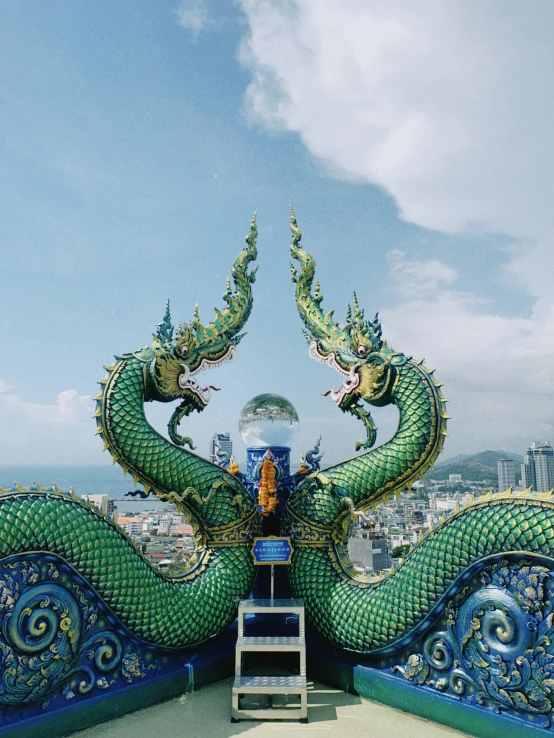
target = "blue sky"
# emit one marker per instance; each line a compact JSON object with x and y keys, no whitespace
{"x":138,"y":138}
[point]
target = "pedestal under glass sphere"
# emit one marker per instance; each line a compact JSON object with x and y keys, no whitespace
{"x":268,"y":420}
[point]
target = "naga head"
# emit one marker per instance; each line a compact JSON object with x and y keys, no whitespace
{"x":356,"y":350}
{"x":179,"y":357}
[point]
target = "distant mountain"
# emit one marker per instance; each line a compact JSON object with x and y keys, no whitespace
{"x":474,"y":468}
{"x":454,"y":460}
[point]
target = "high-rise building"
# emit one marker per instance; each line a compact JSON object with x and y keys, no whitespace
{"x":506,"y":474}
{"x":528,"y":473}
{"x":537,"y":470}
{"x":103,"y":502}
{"x":220,"y":443}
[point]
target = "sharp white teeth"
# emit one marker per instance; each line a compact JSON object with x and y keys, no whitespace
{"x":207,"y":364}
{"x":352,"y":378}
{"x":329,"y":360}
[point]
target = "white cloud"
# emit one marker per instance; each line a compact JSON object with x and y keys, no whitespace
{"x":48,"y":430}
{"x":419,"y":276}
{"x":480,"y":351}
{"x":74,"y":408}
{"x":193,"y":15}
{"x":446,"y":106}
{"x":497,"y":370}
{"x":443,"y":104}
{"x":70,"y":408}
{"x":4,"y":387}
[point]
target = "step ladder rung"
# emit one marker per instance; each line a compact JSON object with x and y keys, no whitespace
{"x":271,"y":607}
{"x":269,"y":684}
{"x":275,"y":605}
{"x":270,"y":643}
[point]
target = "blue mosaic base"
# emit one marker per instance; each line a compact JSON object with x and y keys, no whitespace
{"x":493,"y":646}
{"x":487,"y":646}
{"x":61,"y":645}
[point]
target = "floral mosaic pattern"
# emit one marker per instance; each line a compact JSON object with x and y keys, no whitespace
{"x":57,"y":640}
{"x":497,"y":648}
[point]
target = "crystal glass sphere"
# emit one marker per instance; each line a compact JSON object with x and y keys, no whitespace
{"x":268,"y":420}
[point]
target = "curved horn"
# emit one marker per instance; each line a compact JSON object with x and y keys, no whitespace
{"x":228,"y":323}
{"x":320,"y":325}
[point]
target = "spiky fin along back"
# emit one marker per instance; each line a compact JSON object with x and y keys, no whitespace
{"x":164,"y":334}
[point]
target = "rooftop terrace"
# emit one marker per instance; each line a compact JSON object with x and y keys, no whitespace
{"x":206,"y":714}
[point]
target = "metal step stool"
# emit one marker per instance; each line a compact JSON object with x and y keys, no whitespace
{"x":270,"y":685}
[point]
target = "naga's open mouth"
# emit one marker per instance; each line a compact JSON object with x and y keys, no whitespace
{"x":352,"y":378}
{"x":187,"y":378}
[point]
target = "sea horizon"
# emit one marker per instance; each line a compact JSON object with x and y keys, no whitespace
{"x":84,"y":480}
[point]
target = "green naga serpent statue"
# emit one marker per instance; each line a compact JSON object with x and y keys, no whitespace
{"x":82,"y":610}
{"x":381,"y":614}
{"x":160,"y":609}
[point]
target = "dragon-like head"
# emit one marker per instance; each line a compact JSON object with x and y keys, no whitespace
{"x":179,"y":357}
{"x":356,"y":350}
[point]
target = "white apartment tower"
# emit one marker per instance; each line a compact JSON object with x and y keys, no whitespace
{"x":103,"y":502}
{"x":223,"y":440}
{"x":537,"y":471}
{"x":506,"y":474}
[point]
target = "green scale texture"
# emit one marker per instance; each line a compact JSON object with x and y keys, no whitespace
{"x":367,"y":478}
{"x":146,"y":454}
{"x":151,"y":605}
{"x":365,"y":619}
{"x":356,"y":612}
{"x":162,"y":611}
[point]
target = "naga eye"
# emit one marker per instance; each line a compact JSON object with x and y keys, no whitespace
{"x":184,"y":349}
{"x":362,"y":350}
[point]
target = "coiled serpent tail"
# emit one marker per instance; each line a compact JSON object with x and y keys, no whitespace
{"x":157,"y":608}
{"x":364,"y":615}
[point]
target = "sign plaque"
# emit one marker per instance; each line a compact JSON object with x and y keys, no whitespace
{"x":272,"y":550}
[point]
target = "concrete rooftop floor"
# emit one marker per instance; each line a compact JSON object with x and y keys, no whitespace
{"x":207,"y":714}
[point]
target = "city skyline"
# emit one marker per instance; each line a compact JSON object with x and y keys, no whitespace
{"x":137,"y":146}
{"x":537,"y":470}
